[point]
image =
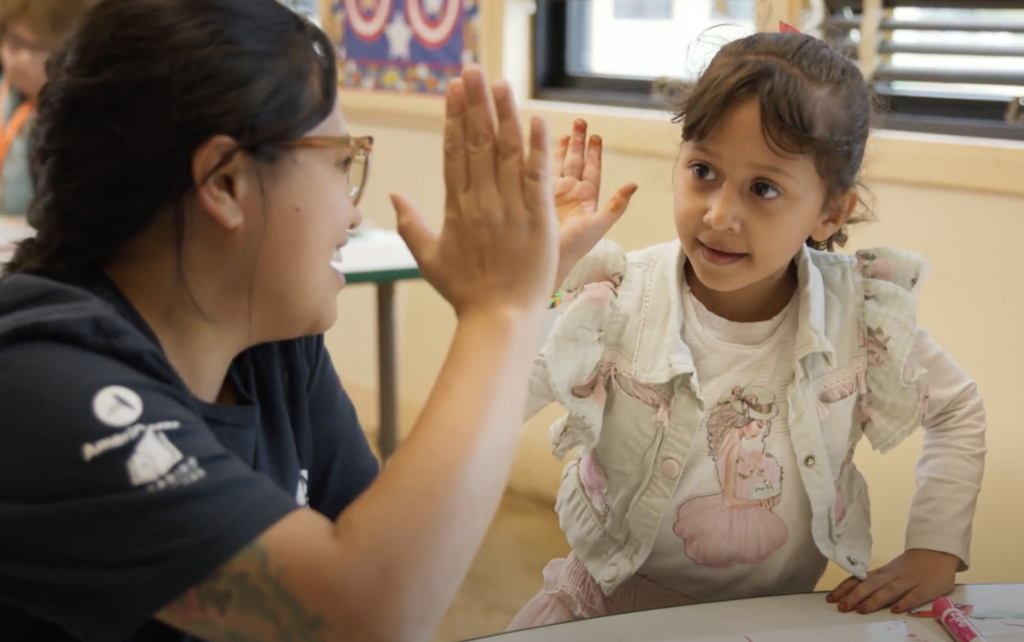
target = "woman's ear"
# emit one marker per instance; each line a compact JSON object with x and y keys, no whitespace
{"x":835,"y":214}
{"x":222,"y":176}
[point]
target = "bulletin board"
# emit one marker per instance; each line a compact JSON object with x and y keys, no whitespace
{"x":407,"y":46}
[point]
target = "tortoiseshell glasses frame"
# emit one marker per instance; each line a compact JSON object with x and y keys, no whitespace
{"x":358,"y":170}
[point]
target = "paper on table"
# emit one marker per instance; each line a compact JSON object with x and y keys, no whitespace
{"x":893,"y":631}
{"x":12,"y":230}
{"x":996,"y":615}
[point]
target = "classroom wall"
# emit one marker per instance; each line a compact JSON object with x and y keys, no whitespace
{"x":971,"y":304}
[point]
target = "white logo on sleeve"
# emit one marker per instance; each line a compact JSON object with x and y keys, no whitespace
{"x":301,"y":491}
{"x":153,"y":458}
{"x":155,"y":462}
{"x":117,"y":406}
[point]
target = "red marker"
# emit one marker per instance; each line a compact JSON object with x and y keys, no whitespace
{"x":956,"y":622}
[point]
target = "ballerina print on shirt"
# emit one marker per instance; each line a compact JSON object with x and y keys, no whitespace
{"x":737,"y":526}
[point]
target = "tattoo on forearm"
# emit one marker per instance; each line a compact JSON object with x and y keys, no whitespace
{"x":246,"y":589}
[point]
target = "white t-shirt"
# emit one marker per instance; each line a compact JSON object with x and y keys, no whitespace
{"x":739,"y":525}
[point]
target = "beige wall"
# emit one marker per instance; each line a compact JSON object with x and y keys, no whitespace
{"x":971,"y":304}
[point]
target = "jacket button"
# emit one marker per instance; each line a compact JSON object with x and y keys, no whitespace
{"x":610,"y":574}
{"x":671,"y":468}
{"x":809,"y":461}
{"x":852,"y":560}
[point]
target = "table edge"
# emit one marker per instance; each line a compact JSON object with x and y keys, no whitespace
{"x":382,"y":276}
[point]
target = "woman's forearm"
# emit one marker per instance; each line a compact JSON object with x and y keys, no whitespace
{"x":452,"y":471}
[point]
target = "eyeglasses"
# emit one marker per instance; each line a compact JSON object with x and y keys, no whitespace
{"x":358,"y":170}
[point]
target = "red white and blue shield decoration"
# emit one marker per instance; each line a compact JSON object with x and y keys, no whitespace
{"x":403,"y":45}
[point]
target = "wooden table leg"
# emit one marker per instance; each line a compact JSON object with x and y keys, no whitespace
{"x":388,"y":369}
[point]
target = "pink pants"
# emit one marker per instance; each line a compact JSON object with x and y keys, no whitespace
{"x":570,"y":593}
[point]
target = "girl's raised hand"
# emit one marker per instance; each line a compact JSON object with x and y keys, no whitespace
{"x":577,"y":185}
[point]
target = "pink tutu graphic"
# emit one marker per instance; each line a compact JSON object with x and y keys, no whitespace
{"x":721,"y":536}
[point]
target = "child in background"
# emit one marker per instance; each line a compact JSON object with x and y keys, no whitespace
{"x":30,"y":31}
{"x":718,"y":386}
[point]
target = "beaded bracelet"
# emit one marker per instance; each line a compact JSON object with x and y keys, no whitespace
{"x":556,"y":300}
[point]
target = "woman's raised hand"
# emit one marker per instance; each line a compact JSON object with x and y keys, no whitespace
{"x":500,"y":241}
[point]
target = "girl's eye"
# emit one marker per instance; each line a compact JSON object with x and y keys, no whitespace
{"x":345,"y":163}
{"x":765,"y":191}
{"x":703,"y":172}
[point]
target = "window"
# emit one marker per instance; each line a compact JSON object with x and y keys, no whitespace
{"x":613,"y":51}
{"x":643,"y":9}
{"x":947,"y":66}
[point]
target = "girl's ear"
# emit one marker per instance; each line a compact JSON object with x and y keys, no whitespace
{"x":835,"y":215}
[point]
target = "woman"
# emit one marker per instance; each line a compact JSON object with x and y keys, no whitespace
{"x":167,"y":399}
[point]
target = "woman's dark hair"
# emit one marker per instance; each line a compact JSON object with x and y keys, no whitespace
{"x":139,"y":87}
{"x":813,"y":99}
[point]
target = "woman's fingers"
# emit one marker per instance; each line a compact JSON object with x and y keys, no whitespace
{"x":537,"y":191}
{"x":510,"y":148}
{"x":422,"y":242}
{"x":480,"y":137}
{"x":456,"y":177}
{"x":499,"y":245}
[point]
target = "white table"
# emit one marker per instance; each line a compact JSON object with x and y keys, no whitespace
{"x":382,"y":258}
{"x":12,"y":230}
{"x":372,"y":256}
{"x":745,"y":617}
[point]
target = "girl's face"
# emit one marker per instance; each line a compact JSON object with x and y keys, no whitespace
{"x":24,"y":56}
{"x":744,"y":208}
{"x":753,"y":429}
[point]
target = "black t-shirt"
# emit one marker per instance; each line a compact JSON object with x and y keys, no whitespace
{"x":118,"y":489}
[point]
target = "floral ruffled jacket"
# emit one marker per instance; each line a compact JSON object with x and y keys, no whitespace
{"x":615,"y":359}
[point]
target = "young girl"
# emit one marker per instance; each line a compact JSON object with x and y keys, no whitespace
{"x":30,"y":32}
{"x":718,"y":386}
